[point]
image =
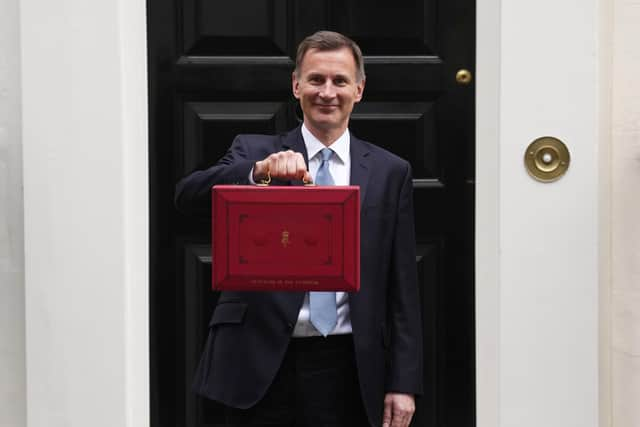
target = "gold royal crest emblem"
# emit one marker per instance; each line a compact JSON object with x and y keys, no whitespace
{"x":285,"y":238}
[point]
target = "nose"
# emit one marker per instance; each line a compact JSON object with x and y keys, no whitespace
{"x":327,"y":90}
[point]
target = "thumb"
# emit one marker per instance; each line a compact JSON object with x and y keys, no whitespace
{"x":307,"y":178}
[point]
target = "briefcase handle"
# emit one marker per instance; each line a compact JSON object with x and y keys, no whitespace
{"x":264,"y":182}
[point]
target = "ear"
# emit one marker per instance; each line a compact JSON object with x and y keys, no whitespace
{"x":360,"y":90}
{"x":295,"y":85}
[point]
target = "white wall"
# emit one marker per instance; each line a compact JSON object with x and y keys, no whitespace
{"x":12,"y":340}
{"x":625,"y":299}
{"x":85,"y":211}
{"x":541,"y":71}
{"x":540,"y":247}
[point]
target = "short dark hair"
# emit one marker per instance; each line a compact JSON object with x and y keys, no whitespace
{"x":330,"y":40}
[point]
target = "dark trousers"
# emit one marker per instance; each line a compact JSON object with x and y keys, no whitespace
{"x":316,"y":386}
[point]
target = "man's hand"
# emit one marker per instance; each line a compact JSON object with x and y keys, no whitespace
{"x":398,"y":410}
{"x":285,"y":165}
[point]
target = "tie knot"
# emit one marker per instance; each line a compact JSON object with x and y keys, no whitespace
{"x":326,"y":154}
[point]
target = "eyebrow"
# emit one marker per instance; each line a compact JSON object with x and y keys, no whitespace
{"x":337,"y":76}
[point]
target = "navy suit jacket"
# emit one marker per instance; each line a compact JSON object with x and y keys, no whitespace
{"x":250,"y":331}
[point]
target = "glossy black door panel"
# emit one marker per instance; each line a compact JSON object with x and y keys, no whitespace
{"x":407,"y":129}
{"x":234,"y":28}
{"x":209,"y":126}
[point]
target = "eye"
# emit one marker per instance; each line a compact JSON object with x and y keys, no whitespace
{"x":340,"y":81}
{"x":315,"y":79}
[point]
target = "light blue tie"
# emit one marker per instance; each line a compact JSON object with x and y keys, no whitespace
{"x":322,"y":305}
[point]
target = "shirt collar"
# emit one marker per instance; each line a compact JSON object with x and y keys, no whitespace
{"x":340,"y":146}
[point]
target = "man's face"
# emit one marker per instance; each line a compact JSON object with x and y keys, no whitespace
{"x":327,"y":88}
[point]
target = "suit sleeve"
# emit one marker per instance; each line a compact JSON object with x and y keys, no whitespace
{"x":193,"y":193}
{"x":405,"y":323}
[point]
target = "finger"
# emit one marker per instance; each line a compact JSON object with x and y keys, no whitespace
{"x":296,"y":165}
{"x":301,"y":167}
{"x":408,"y":420}
{"x":397,"y":420}
{"x":282,"y":165}
{"x":292,"y":167}
{"x":273,"y":165}
{"x":264,"y":168}
{"x":386,"y":415}
{"x":401,"y":417}
{"x":403,"y":420}
{"x":397,"y":414}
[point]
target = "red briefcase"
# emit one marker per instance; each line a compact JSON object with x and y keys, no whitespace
{"x":286,"y":238}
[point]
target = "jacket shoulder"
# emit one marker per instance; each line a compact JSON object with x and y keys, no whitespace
{"x":383,"y":155}
{"x":255,"y":138}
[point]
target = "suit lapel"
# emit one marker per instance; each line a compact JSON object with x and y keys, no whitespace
{"x":360,"y":166}
{"x":360,"y":159}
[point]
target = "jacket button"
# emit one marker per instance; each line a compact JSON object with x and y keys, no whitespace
{"x":290,"y":327}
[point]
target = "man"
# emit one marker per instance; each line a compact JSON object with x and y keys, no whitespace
{"x":269,"y":356}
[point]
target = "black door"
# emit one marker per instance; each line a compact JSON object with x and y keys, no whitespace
{"x":218,"y":68}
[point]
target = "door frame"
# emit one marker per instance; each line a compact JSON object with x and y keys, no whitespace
{"x":542,"y":333}
{"x":85,"y":169}
{"x":118,"y":46}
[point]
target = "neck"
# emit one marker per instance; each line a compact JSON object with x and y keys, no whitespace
{"x":326,"y":136}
